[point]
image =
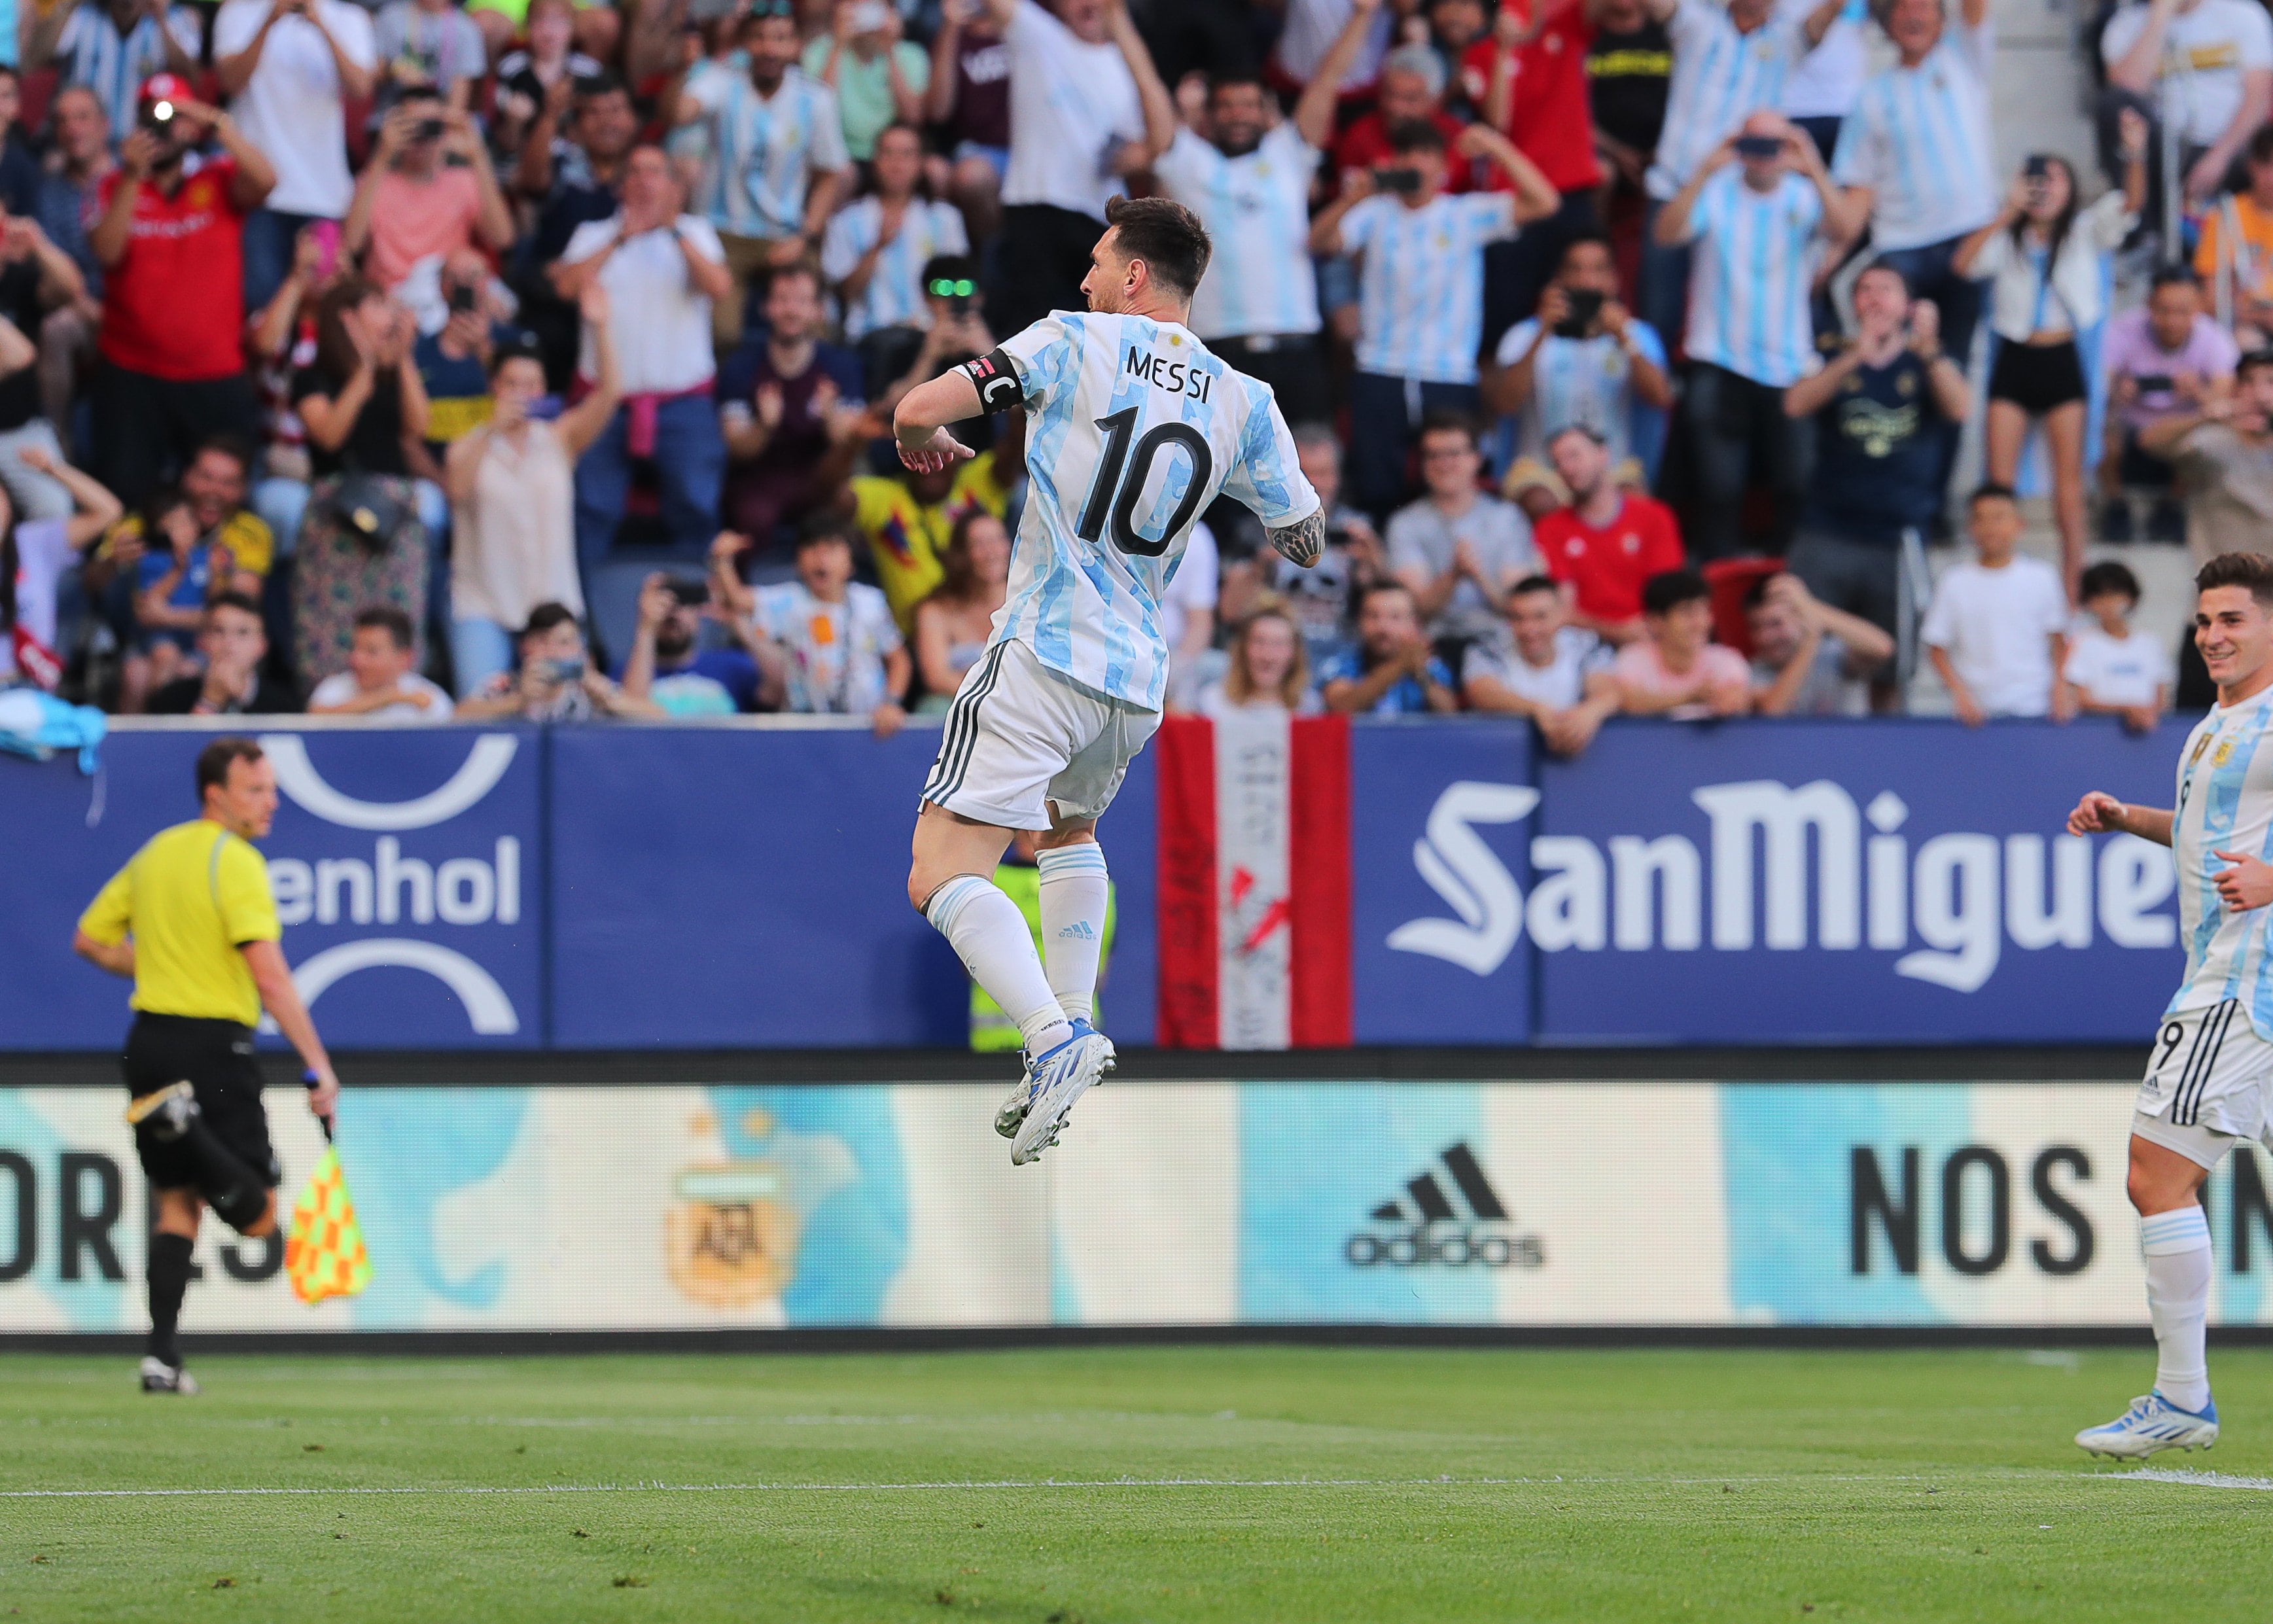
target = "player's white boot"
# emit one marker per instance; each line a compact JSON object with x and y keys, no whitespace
{"x":1056,"y":1081}
{"x":2151,"y":1424}
{"x":159,"y":1377}
{"x":1022,"y":1094}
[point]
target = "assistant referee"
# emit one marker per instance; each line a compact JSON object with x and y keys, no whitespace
{"x":191,"y":919}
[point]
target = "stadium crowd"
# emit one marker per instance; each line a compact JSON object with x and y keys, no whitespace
{"x":538,"y":358}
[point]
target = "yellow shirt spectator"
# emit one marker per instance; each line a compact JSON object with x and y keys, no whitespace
{"x":906,"y":538}
{"x":244,"y":533}
{"x":191,"y":897}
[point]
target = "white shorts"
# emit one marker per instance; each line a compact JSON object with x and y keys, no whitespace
{"x":2209,"y":1075}
{"x":1020,"y":738}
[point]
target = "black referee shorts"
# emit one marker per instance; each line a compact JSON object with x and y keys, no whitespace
{"x":215,"y":1058}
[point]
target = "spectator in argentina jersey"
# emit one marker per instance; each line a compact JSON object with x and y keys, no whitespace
{"x":1726,"y":64}
{"x":2202,"y":68}
{"x":1917,"y":156}
{"x":1134,"y":429}
{"x":1756,"y":210}
{"x":1421,"y":290}
{"x":875,"y":252}
{"x":111,"y":48}
{"x":1582,"y":359}
{"x":1879,"y":407}
{"x":1257,"y":306}
{"x":1086,"y":109}
{"x":773,"y":162}
{"x":1823,"y":87}
{"x":2212,"y":1062}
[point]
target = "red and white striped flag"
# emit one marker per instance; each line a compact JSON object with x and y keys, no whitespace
{"x":1254,"y":882}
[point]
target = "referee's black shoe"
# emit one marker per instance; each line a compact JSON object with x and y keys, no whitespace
{"x":159,"y":1377}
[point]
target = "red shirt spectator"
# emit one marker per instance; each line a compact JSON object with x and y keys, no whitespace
{"x":172,"y":306}
{"x":1544,"y":109}
{"x":1412,"y":86}
{"x":1608,"y":542}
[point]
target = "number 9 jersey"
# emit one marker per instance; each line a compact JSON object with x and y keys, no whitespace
{"x":1133,"y":428}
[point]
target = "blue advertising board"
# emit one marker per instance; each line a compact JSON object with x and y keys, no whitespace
{"x":405,"y":864}
{"x":1899,"y":881}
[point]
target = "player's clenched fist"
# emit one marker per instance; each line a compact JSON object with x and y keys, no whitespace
{"x":2247,"y":884}
{"x":2098,"y":813}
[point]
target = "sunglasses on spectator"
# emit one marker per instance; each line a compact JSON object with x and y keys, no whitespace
{"x":760,"y":10}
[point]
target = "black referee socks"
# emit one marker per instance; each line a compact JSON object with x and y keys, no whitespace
{"x":169,"y":1278}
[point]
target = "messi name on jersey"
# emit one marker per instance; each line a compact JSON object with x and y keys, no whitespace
{"x":1175,"y":377}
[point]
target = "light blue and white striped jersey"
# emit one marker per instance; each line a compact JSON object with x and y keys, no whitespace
{"x":1920,"y":139}
{"x":1578,"y":381}
{"x":2224,"y":804}
{"x":1420,"y":290}
{"x":1133,"y":428}
{"x":1721,"y":77}
{"x":760,"y":153}
{"x":1748,"y":282}
{"x":894,"y":296}
{"x":92,"y":53}
{"x":1257,"y":210}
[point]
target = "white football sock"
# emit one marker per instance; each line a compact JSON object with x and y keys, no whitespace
{"x":1075,"y":893}
{"x":987,"y":931}
{"x":2177,"y":1246}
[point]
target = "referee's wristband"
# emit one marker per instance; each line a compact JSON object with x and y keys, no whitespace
{"x":309,"y":1079}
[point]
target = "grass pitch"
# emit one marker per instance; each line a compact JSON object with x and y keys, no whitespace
{"x":1113,"y":1485}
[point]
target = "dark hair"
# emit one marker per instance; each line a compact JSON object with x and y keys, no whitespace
{"x":1667,"y":591}
{"x":1886,"y":267}
{"x":336,"y":355}
{"x":521,"y":346}
{"x":388,"y":618}
{"x":2102,"y":579}
{"x":1529,"y":584}
{"x":2260,"y":144}
{"x":949,"y":267}
{"x":957,"y":580}
{"x":233,"y":600}
{"x":605,"y":83}
{"x":2250,"y":362}
{"x":214,"y":760}
{"x":2056,"y":235}
{"x":1164,"y":234}
{"x":234,"y":447}
{"x":1235,"y":79}
{"x":2176,"y":275}
{"x":544,"y":617}
{"x":1989,"y":491}
{"x":2250,"y":570}
{"x":922,"y":188}
{"x":1413,"y":135}
{"x":824,"y":528}
{"x":803,"y":268}
{"x":1444,"y":422}
{"x":1588,"y":238}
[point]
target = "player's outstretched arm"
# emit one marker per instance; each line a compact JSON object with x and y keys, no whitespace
{"x":2099,"y":813}
{"x":923,"y":412}
{"x":1303,"y":541}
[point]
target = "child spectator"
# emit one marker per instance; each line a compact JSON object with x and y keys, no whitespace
{"x":667,"y":663}
{"x":235,"y":644}
{"x":825,"y":644}
{"x":953,"y":624}
{"x":1677,"y":670}
{"x":1267,"y":670}
{"x":1997,"y":628}
{"x":1809,"y":658}
{"x":1608,"y":543}
{"x":1554,"y":673}
{"x":379,"y":683}
{"x":1393,"y":671}
{"x":2113,"y":669}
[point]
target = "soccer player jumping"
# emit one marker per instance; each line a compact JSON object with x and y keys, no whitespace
{"x":1133,"y":429}
{"x":2210,"y":1074}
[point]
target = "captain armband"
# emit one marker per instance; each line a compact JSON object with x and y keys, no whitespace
{"x":997,"y":376}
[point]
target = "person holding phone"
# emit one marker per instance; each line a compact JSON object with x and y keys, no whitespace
{"x":2163,"y":359}
{"x":556,"y":681}
{"x":428,"y":190}
{"x":2047,"y":259}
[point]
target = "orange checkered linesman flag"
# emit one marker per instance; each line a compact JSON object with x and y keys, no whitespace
{"x":323,"y":1255}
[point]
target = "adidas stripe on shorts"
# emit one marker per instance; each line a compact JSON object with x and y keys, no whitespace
{"x":2207,"y":1083}
{"x":1020,"y":737}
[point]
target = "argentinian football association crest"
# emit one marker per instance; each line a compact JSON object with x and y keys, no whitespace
{"x":731,"y":1237}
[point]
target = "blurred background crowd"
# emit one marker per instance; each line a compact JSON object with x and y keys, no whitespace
{"x":536,"y":357}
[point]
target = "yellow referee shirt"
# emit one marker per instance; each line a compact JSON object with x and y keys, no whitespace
{"x":191,"y":897}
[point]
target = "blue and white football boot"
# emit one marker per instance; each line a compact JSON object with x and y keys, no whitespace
{"x":2152,"y":1424}
{"x":1055,"y":1083}
{"x":1022,"y":1093}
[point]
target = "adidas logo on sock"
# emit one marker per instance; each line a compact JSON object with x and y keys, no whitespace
{"x":1078,"y":931}
{"x":1422,"y":1226}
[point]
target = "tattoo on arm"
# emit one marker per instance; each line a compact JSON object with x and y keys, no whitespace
{"x":1302,"y":541}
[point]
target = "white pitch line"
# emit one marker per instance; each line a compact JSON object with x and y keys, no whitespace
{"x":797,"y":1488}
{"x":2196,"y":1480}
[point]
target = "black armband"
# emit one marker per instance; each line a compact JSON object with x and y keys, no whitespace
{"x":997,"y":376}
